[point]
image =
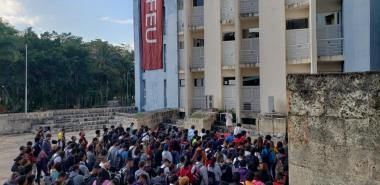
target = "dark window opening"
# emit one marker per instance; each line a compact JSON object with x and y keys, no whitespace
{"x":182,"y":83}
{"x":198,"y":42}
{"x":229,"y":36}
{"x":229,"y":81}
{"x":197,"y":2}
{"x":248,"y":121}
{"x":247,"y":33}
{"x":329,"y":19}
{"x":251,"y":81}
{"x":297,"y":24}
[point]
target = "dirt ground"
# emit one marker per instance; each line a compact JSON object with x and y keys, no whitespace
{"x":9,"y":149}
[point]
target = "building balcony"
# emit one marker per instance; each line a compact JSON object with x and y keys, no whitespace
{"x":250,"y":98}
{"x":228,"y":54}
{"x":180,"y":22}
{"x":181,"y":60}
{"x":330,"y":42}
{"x":298,"y":46}
{"x":250,"y":52}
{"x":296,"y":3}
{"x":249,"y":8}
{"x":227,"y":9}
{"x":199,"y":98}
{"x":197,"y":18}
{"x":229,"y":97}
{"x":198,"y":63}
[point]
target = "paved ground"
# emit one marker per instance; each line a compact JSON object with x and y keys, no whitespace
{"x":9,"y":145}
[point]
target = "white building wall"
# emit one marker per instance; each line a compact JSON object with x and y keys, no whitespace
{"x":272,"y":55}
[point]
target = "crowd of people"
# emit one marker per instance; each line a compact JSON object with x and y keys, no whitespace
{"x":151,"y":156}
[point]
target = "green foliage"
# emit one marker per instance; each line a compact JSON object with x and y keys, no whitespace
{"x":63,"y":71}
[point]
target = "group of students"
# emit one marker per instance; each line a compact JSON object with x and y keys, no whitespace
{"x":151,"y":156}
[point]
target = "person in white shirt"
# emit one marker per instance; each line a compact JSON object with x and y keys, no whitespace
{"x":237,"y":129}
{"x":229,"y":121}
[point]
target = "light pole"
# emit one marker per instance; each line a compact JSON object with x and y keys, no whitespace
{"x":26,"y":78}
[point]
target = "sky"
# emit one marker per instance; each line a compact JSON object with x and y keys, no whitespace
{"x":109,"y":20}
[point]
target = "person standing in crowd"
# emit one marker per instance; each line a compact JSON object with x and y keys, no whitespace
{"x":153,"y":156}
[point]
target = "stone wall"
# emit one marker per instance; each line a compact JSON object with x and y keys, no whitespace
{"x":71,"y":119}
{"x":200,"y":120}
{"x":150,"y":118}
{"x":334,"y":129}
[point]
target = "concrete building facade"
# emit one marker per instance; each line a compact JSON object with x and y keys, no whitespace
{"x":235,"y":54}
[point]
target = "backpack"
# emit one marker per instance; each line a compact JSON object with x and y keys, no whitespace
{"x":237,"y":162}
{"x":211,"y":178}
{"x":227,"y":173}
{"x":71,"y":180}
{"x":197,"y":176}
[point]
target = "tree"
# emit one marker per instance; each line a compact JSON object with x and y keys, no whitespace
{"x":63,"y":71}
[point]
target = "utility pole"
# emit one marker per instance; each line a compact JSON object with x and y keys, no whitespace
{"x":127,"y":91}
{"x":26,"y":78}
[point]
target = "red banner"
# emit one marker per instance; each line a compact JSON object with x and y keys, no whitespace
{"x":151,"y":34}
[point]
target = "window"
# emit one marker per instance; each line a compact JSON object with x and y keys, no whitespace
{"x":251,"y":81}
{"x":181,"y":45}
{"x":251,"y":33}
{"x":180,"y":5}
{"x":229,"y":36}
{"x":197,"y":3}
{"x":144,"y":93}
{"x":329,"y":19}
{"x":198,"y":82}
{"x":165,"y":98}
{"x":198,"y":42}
{"x":229,"y":81}
{"x":164,"y":56}
{"x":297,"y":24}
{"x":181,"y":82}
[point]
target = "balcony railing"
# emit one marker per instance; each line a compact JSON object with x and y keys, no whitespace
{"x":181,"y":59}
{"x":330,"y":40}
{"x":227,"y":10}
{"x":199,"y":99}
{"x":228,"y":54}
{"x":180,"y":21}
{"x":198,"y":58}
{"x":249,"y":7}
{"x":229,"y":97}
{"x":296,"y":3}
{"x":298,"y":45}
{"x":197,"y":18}
{"x":250,"y":51}
{"x":250,"y":99}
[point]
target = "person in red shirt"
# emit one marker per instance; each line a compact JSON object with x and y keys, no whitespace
{"x":185,"y":171}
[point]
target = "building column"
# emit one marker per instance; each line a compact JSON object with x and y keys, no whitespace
{"x":213,"y":52}
{"x":187,"y":7}
{"x":238,"y":76}
{"x":272,"y":55}
{"x":313,"y":36}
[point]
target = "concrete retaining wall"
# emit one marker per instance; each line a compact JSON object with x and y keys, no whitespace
{"x":151,"y":118}
{"x":21,"y":122}
{"x":334,"y":129}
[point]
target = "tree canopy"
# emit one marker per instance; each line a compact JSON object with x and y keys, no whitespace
{"x":63,"y":71}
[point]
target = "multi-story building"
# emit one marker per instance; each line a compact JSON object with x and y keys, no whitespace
{"x":235,"y":54}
